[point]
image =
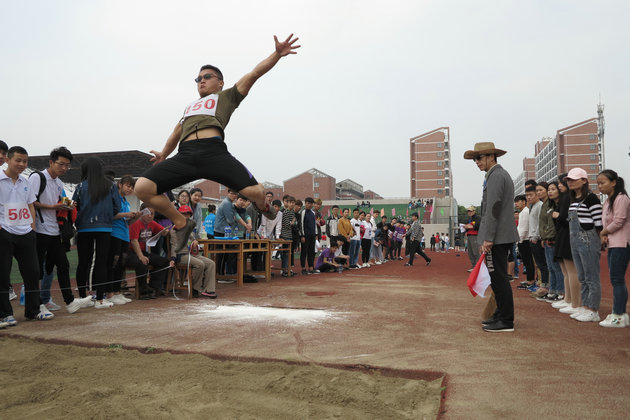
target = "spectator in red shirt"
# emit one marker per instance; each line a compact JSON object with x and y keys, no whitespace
{"x":141,"y":257}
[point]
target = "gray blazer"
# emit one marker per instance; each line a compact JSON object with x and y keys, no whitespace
{"x":497,"y":208}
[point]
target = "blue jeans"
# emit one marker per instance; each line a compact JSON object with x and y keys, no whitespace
{"x":516,"y":264}
{"x":586,"y":251}
{"x":556,"y":278}
{"x":355,"y":246}
{"x":617,"y":265}
{"x":44,"y":290}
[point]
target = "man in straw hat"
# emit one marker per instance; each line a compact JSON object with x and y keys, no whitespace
{"x":497,"y":231}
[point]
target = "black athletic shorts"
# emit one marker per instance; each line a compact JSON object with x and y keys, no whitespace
{"x":200,"y":159}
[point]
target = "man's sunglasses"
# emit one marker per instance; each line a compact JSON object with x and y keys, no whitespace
{"x":206,"y":76}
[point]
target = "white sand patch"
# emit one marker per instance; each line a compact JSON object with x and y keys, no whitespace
{"x":247,"y":312}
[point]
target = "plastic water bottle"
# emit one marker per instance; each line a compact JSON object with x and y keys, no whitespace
{"x":247,"y":235}
{"x":22,"y":295}
{"x":340,"y":268}
{"x":228,"y":232}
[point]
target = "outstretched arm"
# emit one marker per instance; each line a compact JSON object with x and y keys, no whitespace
{"x":170,"y":145}
{"x":282,"y":49}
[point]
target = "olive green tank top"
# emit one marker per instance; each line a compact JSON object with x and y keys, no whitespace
{"x":213,"y":110}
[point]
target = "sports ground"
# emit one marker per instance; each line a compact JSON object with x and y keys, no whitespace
{"x":408,"y":324}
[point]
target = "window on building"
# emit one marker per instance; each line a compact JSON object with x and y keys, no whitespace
{"x":591,"y":137}
{"x":439,"y":154}
{"x":439,"y":182}
{"x":316,"y":195}
{"x":439,"y":192}
{"x":593,"y":147}
{"x":593,"y":177}
{"x":593,"y":167}
{"x":439,"y":173}
{"x":593,"y":157}
{"x":221,"y":187}
{"x":439,"y":164}
{"x":439,"y":145}
{"x":316,"y":184}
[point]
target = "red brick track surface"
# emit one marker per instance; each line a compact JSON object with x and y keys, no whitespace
{"x":414,"y":319}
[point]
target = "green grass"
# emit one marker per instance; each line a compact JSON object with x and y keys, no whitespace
{"x":72,"y":258}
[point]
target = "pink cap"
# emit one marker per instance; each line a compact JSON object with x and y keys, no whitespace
{"x":577,"y":173}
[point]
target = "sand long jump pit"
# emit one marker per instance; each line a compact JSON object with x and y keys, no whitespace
{"x":42,"y":379}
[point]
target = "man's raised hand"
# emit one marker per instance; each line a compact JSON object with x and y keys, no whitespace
{"x":286,"y":47}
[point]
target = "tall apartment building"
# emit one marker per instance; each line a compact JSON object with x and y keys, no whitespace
{"x":580,"y":145}
{"x":312,"y":183}
{"x":529,"y":172}
{"x":430,"y":164}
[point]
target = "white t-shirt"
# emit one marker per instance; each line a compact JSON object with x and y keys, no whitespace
{"x":15,"y":216}
{"x":50,"y":195}
{"x":367,"y":234}
{"x":356,"y":225}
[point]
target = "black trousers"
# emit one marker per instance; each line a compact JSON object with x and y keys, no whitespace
{"x":308,"y":251}
{"x":24,"y":249}
{"x":366,"y":245}
{"x":496,"y":262}
{"x":538,"y":253}
{"x":116,"y":263}
{"x":158,"y":278}
{"x":416,"y":248}
{"x":92,"y":244}
{"x":528,"y":261}
{"x":50,"y":249}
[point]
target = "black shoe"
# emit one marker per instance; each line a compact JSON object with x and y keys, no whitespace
{"x":408,"y":265}
{"x":498,"y":326}
{"x":429,"y":263}
{"x":304,"y":272}
{"x":490,"y":320}
{"x":250,"y":279}
{"x":195,"y":293}
{"x":524,"y":286}
{"x":145,"y":296}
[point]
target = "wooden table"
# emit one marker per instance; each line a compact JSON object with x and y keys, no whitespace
{"x":212,"y":247}
{"x":256,"y":246}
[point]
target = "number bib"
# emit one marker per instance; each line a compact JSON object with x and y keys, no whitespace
{"x":17,"y":214}
{"x":204,"y":106}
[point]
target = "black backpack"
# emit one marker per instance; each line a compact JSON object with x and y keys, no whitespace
{"x":42,"y":187}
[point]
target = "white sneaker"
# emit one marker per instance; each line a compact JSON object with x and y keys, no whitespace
{"x":12,"y":294}
{"x":44,"y":313}
{"x":378,"y":263}
{"x":87,"y":302}
{"x":614,"y":321}
{"x":588,"y":316}
{"x":569,"y":310}
{"x":3,"y":324}
{"x":52,"y":306}
{"x":103,"y":304}
{"x":117,"y":300}
{"x":577,"y":313}
{"x":126,"y":299}
{"x":560,"y":304}
{"x":74,"y":306}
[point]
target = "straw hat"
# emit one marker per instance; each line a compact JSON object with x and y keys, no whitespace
{"x":483,"y":148}
{"x":471,"y":208}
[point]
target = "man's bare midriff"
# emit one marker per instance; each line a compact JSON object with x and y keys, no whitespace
{"x":204,"y":133}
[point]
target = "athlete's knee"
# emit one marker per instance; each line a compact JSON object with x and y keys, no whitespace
{"x":145,"y":188}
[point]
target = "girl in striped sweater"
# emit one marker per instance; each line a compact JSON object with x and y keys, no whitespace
{"x":585,"y":223}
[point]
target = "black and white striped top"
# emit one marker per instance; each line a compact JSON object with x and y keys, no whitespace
{"x":589,"y":212}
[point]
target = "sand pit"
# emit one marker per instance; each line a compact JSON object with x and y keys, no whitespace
{"x":60,"y":381}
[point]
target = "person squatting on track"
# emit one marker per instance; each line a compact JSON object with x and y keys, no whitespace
{"x":497,"y":231}
{"x":200,"y":134}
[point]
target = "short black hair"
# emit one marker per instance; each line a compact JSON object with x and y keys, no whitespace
{"x":61,"y":152}
{"x":269,"y":192}
{"x":520,"y":197}
{"x":213,"y":68}
{"x":276,"y":203}
{"x":3,"y":147}
{"x":353,"y":210}
{"x":530,"y":182}
{"x":194,"y":190}
{"x":361,"y":213}
{"x":414,"y":214}
{"x":16,"y":149}
{"x":531,"y":188}
{"x":334,"y":207}
{"x":309,"y":200}
{"x":127,"y":180}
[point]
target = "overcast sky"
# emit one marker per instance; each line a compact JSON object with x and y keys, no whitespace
{"x":116,"y":75}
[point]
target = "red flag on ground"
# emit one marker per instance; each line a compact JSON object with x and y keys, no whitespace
{"x":479,"y":278}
